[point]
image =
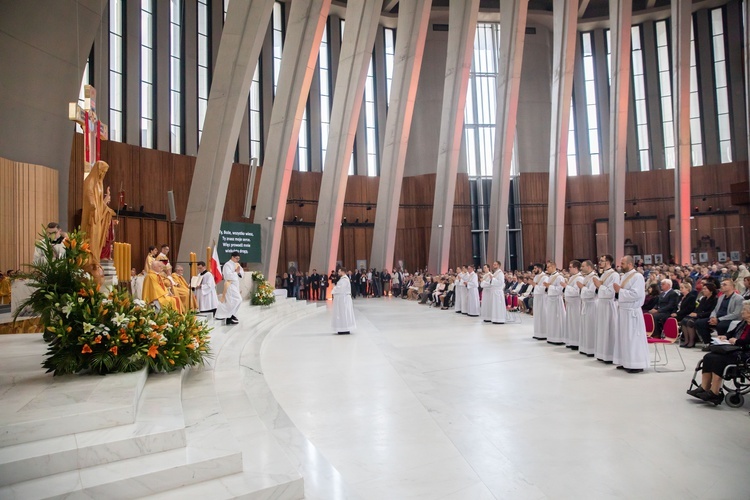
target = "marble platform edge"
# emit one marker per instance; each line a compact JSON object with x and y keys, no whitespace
{"x":238,"y":486}
{"x":152,"y":432}
{"x":132,"y":478}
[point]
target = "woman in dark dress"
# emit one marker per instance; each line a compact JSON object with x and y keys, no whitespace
{"x":703,"y":310}
{"x":652,"y":298}
{"x":714,"y":364}
{"x":687,"y":303}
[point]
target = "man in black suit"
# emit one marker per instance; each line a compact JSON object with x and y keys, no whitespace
{"x":669,"y":302}
{"x":314,"y":285}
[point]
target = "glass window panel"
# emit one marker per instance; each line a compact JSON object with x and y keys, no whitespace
{"x":722,"y":103}
{"x":642,"y":136}
{"x":668,"y":136}
{"x":721,"y":76}
{"x":147,"y":65}
{"x":115,"y":82}
{"x":588,"y":65}
{"x":202,"y":18}
{"x":640,"y":108}
{"x":175,"y":108}
{"x":594,"y":141}
{"x":146,"y":30}
{"x":695,"y":130}
{"x":666,"y":106}
{"x":717,"y":22}
{"x":663,"y":56}
{"x":645,"y":161}
{"x":595,"y":166}
{"x":723,"y":125}
{"x":718,"y":43}
{"x":591,"y":92}
{"x":174,"y":74}
{"x":115,"y":16}
{"x":637,"y":65}
{"x":202,"y":50}
{"x":115,"y":53}
{"x":726,"y":151}
{"x":591,"y":116}
{"x":697,"y":156}
{"x":665,"y":85}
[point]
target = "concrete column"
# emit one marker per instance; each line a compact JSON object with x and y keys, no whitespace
{"x":565,"y":17}
{"x":512,"y":33}
{"x":241,"y":43}
{"x":620,"y":15}
{"x":161,"y":81}
{"x":362,"y":18}
{"x":381,"y":95}
{"x":304,"y":31}
{"x":681,"y":19}
{"x":413,"y":21}
{"x":462,"y":20}
{"x":266,"y":83}
{"x":746,"y":41}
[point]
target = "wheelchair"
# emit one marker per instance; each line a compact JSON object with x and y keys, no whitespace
{"x":736,"y":381}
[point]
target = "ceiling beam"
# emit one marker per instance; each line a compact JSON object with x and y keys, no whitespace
{"x":389,"y":5}
{"x":582,"y":8}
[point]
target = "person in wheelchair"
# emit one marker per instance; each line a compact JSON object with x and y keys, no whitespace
{"x":715,"y":363}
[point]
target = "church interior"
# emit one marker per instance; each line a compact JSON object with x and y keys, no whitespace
{"x":391,"y":135}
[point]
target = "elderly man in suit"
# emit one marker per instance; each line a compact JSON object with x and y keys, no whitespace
{"x":669,"y":302}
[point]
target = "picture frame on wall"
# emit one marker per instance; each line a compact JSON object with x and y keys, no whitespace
{"x":362,"y":264}
{"x":722,"y":256}
{"x":703,"y":257}
{"x":647,"y":259}
{"x":658,"y":258}
{"x":637,"y":258}
{"x":734,"y":255}
{"x":693,"y":258}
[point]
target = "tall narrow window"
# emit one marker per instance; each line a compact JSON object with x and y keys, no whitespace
{"x":278,"y":41}
{"x":390,"y":50}
{"x":572,"y":150}
{"x":609,"y":57}
{"x":303,"y":149}
{"x":203,"y":51}
{"x":371,"y":122}
{"x":592,"y":117}
{"x":226,"y":7}
{"x":722,"y":95}
{"x":696,"y":134}
{"x":665,"y":92}
{"x":175,"y":76}
{"x":639,"y":92}
{"x":86,"y":80}
{"x":255,"y":118}
{"x":115,"y":70}
{"x":325,"y":94}
{"x":147,"y":73}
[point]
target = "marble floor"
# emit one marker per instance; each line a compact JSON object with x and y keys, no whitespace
{"x":422,"y":403}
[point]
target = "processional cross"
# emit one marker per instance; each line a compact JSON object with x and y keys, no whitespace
{"x":93,"y":129}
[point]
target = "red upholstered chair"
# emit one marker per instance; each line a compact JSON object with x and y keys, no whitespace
{"x":671,"y":336}
{"x":648,"y":318}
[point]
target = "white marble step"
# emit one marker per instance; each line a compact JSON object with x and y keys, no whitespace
{"x":245,"y":486}
{"x":159,"y":426}
{"x":131,"y":478}
{"x":55,"y":407}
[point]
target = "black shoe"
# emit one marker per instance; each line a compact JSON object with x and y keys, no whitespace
{"x":555,"y":343}
{"x":574,"y":347}
{"x":706,"y":349}
{"x":696,"y":392}
{"x":634,"y":370}
{"x":344,"y":333}
{"x":710,"y":397}
{"x":620,"y":367}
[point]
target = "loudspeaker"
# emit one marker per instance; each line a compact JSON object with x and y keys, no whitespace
{"x":170,"y":204}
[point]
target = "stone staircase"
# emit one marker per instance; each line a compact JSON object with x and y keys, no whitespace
{"x":180,"y":435}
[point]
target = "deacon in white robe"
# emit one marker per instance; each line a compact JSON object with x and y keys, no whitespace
{"x":343,"y":321}
{"x":539,"y":296}
{"x":631,"y":345}
{"x":471,"y":299}
{"x":136,"y":286}
{"x":232,"y":273}
{"x":554,"y":307}
{"x":485,"y":284}
{"x":587,"y":345}
{"x":460,"y":290}
{"x":205,"y":292}
{"x":498,"y":295}
{"x":573,"y":307}
{"x":606,"y":310}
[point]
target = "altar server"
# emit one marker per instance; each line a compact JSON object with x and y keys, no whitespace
{"x":485,"y":284}
{"x":232,"y":272}
{"x":205,"y":292}
{"x":460,"y":290}
{"x":497,"y":289}
{"x":631,"y":346}
{"x":471,"y":299}
{"x":343,"y":321}
{"x":539,"y":297}
{"x":554,"y":307}
{"x":573,"y":306}
{"x":606,"y":310}
{"x":587,"y":346}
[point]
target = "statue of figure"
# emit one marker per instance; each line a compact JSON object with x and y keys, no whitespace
{"x":96,"y":219}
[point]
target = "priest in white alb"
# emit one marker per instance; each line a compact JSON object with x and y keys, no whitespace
{"x":573,"y":306}
{"x":471,"y":299}
{"x":205,"y":290}
{"x":460,"y":290}
{"x":539,"y":297}
{"x":554,"y":307}
{"x":606,"y":310}
{"x":232,"y":272}
{"x":631,"y":346}
{"x":343,"y":321}
{"x":485,"y":283}
{"x":587,"y":345}
{"x":497,"y":289}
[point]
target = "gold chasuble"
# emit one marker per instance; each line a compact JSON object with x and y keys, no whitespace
{"x":154,"y":289}
{"x":182,"y":290}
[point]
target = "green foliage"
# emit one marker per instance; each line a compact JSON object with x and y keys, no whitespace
{"x":88,"y":331}
{"x":263,"y":296}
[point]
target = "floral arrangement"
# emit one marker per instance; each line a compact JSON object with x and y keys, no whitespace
{"x":258,"y":277}
{"x":88,"y":331}
{"x":263,"y":296}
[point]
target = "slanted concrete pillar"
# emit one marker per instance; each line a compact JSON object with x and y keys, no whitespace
{"x":564,"y":19}
{"x":413,"y":19}
{"x":241,"y":42}
{"x":462,"y":20}
{"x":304,"y":32}
{"x":620,"y":14}
{"x":681,"y":21}
{"x":362,"y":18}
{"x":512,"y":33}
{"x":746,"y":38}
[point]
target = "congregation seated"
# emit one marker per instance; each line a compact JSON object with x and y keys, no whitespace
{"x":703,"y":310}
{"x":727,"y":309}
{"x":714,"y":364}
{"x":428,"y":290}
{"x":652,"y":297}
{"x":669,"y":301}
{"x":446,"y":300}
{"x":415,"y":288}
{"x":688,"y":301}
